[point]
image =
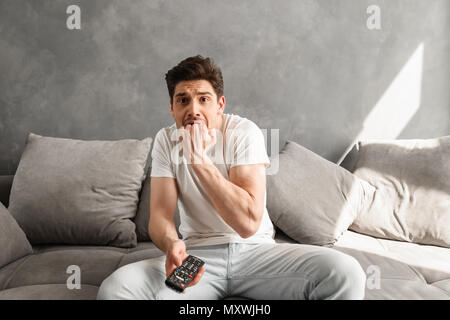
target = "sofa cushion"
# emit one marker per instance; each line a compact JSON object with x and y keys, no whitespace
{"x":398,"y":269}
{"x":311,"y":199}
{"x":412,"y":201}
{"x":44,"y":274}
{"x":5,"y":189}
{"x":13,"y":242}
{"x":71,"y":191}
{"x":143,"y":213}
{"x":49,"y":264}
{"x":49,"y":292}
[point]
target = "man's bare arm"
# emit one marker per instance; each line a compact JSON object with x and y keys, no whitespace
{"x":161,"y":227}
{"x":240,"y":200}
{"x":163,"y":203}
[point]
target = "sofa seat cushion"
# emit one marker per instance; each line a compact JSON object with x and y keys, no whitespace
{"x":48,"y":265}
{"x":49,"y":292}
{"x":405,"y":270}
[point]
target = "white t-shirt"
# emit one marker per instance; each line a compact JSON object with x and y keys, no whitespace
{"x":240,"y":142}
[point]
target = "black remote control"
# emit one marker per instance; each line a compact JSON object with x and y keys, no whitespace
{"x":184,"y":274}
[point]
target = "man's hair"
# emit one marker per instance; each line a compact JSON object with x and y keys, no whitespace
{"x":195,"y":68}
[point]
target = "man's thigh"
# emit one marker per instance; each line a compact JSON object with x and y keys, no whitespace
{"x":278,"y":271}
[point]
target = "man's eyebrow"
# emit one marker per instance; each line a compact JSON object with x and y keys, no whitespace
{"x":202,"y":93}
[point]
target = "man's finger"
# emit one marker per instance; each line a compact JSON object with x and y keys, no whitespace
{"x":198,"y":139}
{"x":197,"y":277}
{"x":180,"y":133}
{"x":205,"y":133}
{"x":197,"y":142}
{"x":169,"y":269}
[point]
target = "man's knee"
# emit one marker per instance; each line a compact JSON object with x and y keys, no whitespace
{"x":130,"y":282}
{"x":108,"y":289}
{"x":118,"y":286}
{"x":338,"y":276}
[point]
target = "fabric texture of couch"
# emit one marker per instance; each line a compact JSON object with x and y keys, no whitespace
{"x":395,"y":269}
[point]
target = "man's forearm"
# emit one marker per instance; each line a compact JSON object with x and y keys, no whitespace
{"x":162,"y":232}
{"x":234,"y":204}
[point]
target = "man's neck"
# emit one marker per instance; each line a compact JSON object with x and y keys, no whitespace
{"x":220,"y":123}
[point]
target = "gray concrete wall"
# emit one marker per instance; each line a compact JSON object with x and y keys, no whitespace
{"x":312,"y":69}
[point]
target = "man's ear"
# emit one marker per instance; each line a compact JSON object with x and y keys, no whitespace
{"x":222,"y":103}
{"x":171,"y":109}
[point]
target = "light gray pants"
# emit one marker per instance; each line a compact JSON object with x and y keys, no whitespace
{"x":256,"y":271}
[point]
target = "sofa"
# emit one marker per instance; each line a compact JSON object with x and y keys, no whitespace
{"x":66,"y":262}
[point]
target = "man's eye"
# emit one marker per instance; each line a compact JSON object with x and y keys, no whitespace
{"x":204,"y":99}
{"x":182,"y":100}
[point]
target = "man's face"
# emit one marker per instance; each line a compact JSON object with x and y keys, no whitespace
{"x":196,"y":101}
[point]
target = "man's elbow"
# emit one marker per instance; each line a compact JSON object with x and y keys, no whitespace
{"x":251,"y":228}
{"x":247,"y":233}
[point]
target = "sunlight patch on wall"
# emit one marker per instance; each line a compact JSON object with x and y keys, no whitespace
{"x":398,"y":104}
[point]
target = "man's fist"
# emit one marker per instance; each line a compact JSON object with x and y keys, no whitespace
{"x":175,"y":255}
{"x":196,"y":139}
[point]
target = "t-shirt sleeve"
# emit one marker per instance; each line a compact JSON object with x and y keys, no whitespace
{"x":161,"y":160}
{"x":249,"y":146}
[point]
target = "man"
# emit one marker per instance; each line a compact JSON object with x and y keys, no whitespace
{"x":214,"y":164}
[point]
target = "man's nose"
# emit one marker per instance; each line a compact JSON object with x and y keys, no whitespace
{"x":194,"y":109}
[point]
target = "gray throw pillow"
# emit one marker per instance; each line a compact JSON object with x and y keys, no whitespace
{"x":68,"y":191}
{"x":313,"y":200}
{"x":412,"y":201}
{"x":13,"y":242}
{"x":143,"y":213}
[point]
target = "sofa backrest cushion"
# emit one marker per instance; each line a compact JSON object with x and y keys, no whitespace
{"x":13,"y":241}
{"x":68,"y":191}
{"x":5,"y":189}
{"x":313,"y":200}
{"x":143,"y":213}
{"x":412,"y":178}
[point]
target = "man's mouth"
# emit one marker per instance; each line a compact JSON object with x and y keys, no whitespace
{"x":192,"y":121}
